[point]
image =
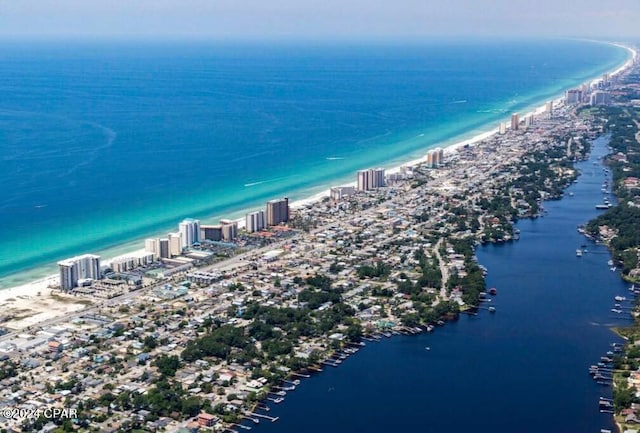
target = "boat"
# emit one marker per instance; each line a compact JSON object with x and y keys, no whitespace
{"x":603,"y":206}
{"x":492,"y":309}
{"x":613,"y":268}
{"x":570,"y":194}
{"x":578,"y":253}
{"x":493,"y":291}
{"x":616,"y":310}
{"x":620,"y":298}
{"x":610,"y":263}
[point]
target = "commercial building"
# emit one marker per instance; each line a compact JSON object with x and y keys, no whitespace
{"x":164,"y":248}
{"x":340,"y":192}
{"x":277,"y":211}
{"x":165,"y":251}
{"x":211,"y":232}
{"x":190,"y":231}
{"x":435,"y":158}
{"x":77,"y":268}
{"x":528,"y":121}
{"x":131,"y":261}
{"x":515,"y":121}
{"x":229,"y":230}
{"x":175,"y":244}
{"x":370,"y":179}
{"x":255,"y":221}
{"x":600,"y":97}
{"x":152,"y":246}
{"x":573,"y":96}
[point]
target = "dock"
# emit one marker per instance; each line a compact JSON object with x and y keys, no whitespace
{"x":276,"y":400}
{"x":270,"y":418}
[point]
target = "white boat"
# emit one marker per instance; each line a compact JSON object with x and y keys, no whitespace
{"x":578,"y":253}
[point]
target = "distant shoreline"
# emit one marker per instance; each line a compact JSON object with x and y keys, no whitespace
{"x":31,"y":288}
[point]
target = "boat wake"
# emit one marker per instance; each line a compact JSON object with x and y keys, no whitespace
{"x":608,"y":325}
{"x":492,"y":111}
{"x":260,"y":182}
{"x":334,"y":158}
{"x":461,"y":101}
{"x":110,"y":136}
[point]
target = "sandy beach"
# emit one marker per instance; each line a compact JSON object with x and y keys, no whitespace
{"x":34,"y":302}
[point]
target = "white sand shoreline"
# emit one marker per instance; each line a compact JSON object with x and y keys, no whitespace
{"x":38,"y":288}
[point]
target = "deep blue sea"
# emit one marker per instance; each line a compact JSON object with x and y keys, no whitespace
{"x":523,"y":369}
{"x":105,"y":143}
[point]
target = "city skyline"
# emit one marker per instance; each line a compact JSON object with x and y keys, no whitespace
{"x":287,"y":19}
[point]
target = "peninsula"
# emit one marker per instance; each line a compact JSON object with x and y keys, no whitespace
{"x":204,"y":339}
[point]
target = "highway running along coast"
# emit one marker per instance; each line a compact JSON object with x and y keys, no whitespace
{"x":216,"y":341}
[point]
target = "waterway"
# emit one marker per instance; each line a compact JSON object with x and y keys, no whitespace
{"x":522,"y":369}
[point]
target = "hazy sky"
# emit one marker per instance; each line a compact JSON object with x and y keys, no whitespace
{"x":323,"y":19}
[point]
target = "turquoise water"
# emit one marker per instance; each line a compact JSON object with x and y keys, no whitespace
{"x":105,"y":144}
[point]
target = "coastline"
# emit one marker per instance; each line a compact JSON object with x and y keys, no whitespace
{"x":311,"y":248}
{"x":30,"y":289}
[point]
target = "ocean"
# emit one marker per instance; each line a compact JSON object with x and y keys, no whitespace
{"x":106,"y":143}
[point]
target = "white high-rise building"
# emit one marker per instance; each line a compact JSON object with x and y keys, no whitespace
{"x":339,"y":192}
{"x":548,"y":108}
{"x":131,"y":261}
{"x":77,"y":268}
{"x":68,"y":274}
{"x":515,"y":121}
{"x":229,"y":230}
{"x":189,"y":229}
{"x":152,"y":246}
{"x":175,"y":244}
{"x":573,"y":96}
{"x":528,"y":121}
{"x":255,"y":221}
{"x":502,"y":129}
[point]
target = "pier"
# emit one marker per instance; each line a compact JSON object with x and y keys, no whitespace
{"x":295,"y":382}
{"x":270,"y":418}
{"x":276,"y":400}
